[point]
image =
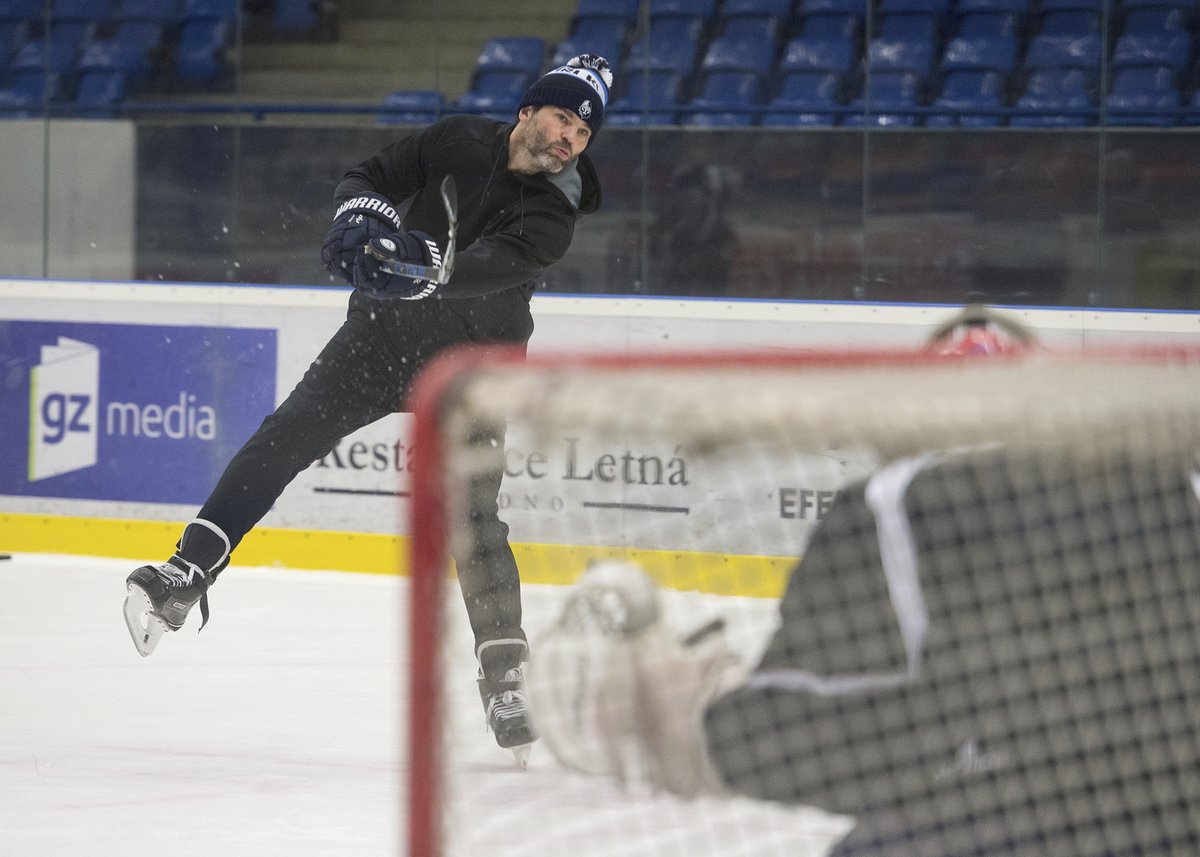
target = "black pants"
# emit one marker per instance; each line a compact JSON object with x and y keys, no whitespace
{"x":361,"y":375}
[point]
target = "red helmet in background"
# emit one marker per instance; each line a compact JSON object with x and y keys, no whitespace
{"x":978,"y":331}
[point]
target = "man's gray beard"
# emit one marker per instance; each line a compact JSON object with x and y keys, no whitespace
{"x":547,"y":162}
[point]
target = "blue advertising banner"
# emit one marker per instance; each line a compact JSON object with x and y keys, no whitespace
{"x":125,"y":411}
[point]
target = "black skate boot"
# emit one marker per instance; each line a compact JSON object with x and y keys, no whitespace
{"x":502,"y":689}
{"x":159,"y":597}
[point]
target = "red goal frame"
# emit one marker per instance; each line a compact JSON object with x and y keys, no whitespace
{"x":427,"y":520}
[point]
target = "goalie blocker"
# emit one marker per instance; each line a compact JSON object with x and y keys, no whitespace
{"x":989,"y":652}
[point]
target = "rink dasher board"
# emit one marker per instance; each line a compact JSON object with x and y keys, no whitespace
{"x":565,"y":501}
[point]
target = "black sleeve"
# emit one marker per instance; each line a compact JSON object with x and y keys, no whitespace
{"x":511,"y":256}
{"x":397,"y":171}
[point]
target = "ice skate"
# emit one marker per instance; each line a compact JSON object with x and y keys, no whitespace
{"x":158,"y":598}
{"x":508,"y":715}
{"x":503,"y":698}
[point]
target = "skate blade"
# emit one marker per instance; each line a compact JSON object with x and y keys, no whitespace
{"x":521,"y":754}
{"x":145,"y":628}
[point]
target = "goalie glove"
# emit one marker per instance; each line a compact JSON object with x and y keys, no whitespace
{"x":356,"y":221}
{"x":375,"y":264}
{"x":615,"y":692}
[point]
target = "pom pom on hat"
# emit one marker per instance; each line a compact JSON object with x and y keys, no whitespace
{"x":580,"y":86}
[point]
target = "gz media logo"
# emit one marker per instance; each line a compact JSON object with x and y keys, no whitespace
{"x":143,"y":413}
{"x":66,"y":416}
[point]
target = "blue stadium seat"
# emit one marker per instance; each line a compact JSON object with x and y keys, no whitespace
{"x":1185,"y":5}
{"x":12,"y":35}
{"x":35,"y":87}
{"x":924,"y":7}
{"x":59,"y":57}
{"x":94,"y":11}
{"x":295,"y":16}
{"x":1056,"y":98}
{"x":1093,"y":6}
{"x":737,"y":53}
{"x":856,"y":8}
{"x":1058,"y":51}
{"x":886,"y":101}
{"x":904,"y":42}
{"x":815,"y":54}
{"x":113,"y":55}
{"x":412,"y":107}
{"x":100,"y":89}
{"x":908,"y":27}
{"x":1144,"y":95}
{"x":15,"y":104}
{"x":1153,"y":19}
{"x":207,"y":10}
{"x":780,"y":9}
{"x":21,"y":10}
{"x":164,"y":12}
{"x":1189,"y":5}
{"x":604,"y":21}
{"x":495,"y":93}
{"x":986,"y":25}
{"x":749,"y":28}
{"x":727,"y":98}
{"x":703,"y":9}
{"x":651,"y":91}
{"x":1069,"y":22}
{"x":200,"y":52}
{"x":966,"y":92}
{"x":72,"y":35}
{"x":1016,"y":7}
{"x":805,"y":98}
{"x":140,"y":34}
{"x":893,"y":55}
{"x":625,"y":10}
{"x":835,"y":25}
{"x":1171,"y":48}
{"x":752,"y":27}
{"x":512,"y":53}
{"x":717,"y":119}
{"x":671,"y":44}
{"x":998,"y":53}
{"x":600,"y":29}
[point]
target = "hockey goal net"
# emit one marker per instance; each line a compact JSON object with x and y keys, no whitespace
{"x":966,"y":594}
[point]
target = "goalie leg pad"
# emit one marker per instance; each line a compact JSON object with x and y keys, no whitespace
{"x":623,"y":704}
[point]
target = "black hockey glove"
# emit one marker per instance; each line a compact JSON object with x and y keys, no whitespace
{"x":357,"y":220}
{"x":372,"y":261}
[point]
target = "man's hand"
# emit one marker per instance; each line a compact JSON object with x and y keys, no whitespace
{"x":373,"y":260}
{"x":357,"y":221}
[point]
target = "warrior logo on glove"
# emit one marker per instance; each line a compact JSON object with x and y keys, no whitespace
{"x":382,"y":268}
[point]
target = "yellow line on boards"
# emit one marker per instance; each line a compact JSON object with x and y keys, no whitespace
{"x":375,"y":553}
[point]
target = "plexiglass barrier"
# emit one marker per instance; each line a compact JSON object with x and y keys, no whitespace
{"x":226,"y":189}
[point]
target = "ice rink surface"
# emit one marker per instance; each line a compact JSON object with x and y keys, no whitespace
{"x":280,"y":730}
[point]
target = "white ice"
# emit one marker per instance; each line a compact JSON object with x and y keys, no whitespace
{"x":280,"y":730}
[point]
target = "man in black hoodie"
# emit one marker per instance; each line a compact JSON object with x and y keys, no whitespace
{"x":520,"y":188}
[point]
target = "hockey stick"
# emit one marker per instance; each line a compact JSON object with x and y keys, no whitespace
{"x":432,"y":273}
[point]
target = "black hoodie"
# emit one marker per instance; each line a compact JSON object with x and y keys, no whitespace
{"x":511,"y":227}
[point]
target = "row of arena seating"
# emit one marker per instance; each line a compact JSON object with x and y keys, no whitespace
{"x":88,"y":55}
{"x":973,"y":63}
{"x":936,"y":63}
